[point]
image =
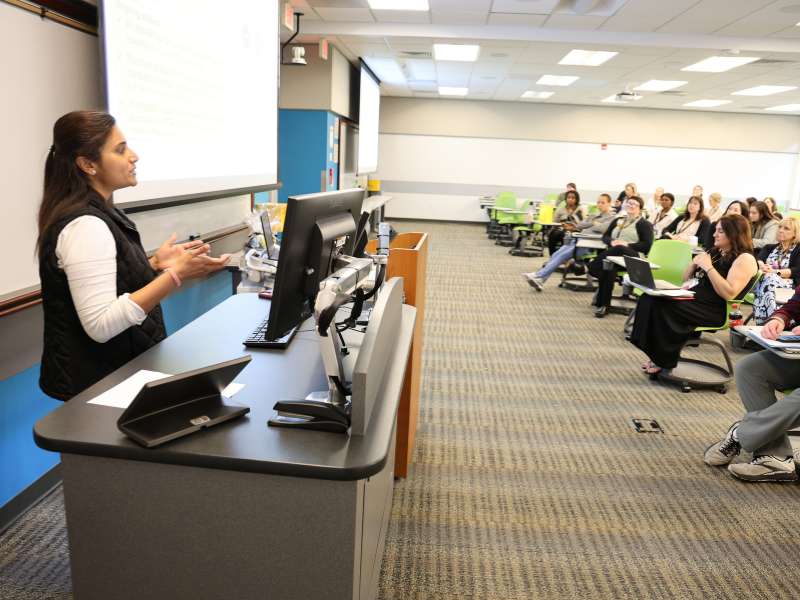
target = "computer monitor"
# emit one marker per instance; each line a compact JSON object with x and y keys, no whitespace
{"x":269,"y":239}
{"x":317,"y":228}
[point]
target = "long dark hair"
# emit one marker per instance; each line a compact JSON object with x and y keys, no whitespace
{"x":700,"y":213}
{"x":737,"y":230}
{"x":66,"y":187}
{"x":742,"y":207}
{"x":764,"y":213}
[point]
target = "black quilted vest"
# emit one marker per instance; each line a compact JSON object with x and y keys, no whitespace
{"x":71,"y":360}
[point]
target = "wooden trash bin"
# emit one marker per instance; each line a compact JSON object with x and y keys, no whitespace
{"x":408,"y":258}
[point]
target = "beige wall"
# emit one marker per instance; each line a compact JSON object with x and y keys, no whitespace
{"x":612,"y":125}
{"x":319,"y":85}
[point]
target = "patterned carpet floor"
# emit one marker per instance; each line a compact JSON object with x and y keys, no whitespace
{"x":529,"y":480}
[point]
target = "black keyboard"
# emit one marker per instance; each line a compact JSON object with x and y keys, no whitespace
{"x":258,"y":337}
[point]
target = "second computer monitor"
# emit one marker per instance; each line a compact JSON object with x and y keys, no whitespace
{"x":317,"y":228}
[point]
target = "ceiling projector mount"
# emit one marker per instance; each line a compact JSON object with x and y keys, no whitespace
{"x":298,"y":52}
{"x":626,"y":96}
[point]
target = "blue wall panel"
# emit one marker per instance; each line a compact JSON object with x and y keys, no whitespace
{"x":22,"y":403}
{"x":302,"y":143}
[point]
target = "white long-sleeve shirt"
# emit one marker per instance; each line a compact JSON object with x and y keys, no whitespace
{"x":87,"y":254}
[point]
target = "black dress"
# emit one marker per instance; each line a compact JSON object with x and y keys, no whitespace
{"x":663,"y":325}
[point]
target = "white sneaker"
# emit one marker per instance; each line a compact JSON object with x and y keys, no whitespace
{"x":765,"y":468}
{"x":724,"y":451}
{"x":534,"y":281}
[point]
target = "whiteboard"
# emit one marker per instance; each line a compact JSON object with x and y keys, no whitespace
{"x":48,"y":70}
{"x":465,"y":161}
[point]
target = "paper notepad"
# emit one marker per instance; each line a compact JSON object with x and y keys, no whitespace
{"x":122,"y":394}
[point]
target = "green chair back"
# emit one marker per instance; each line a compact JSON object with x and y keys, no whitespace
{"x":672,"y":257}
{"x":506,"y":200}
{"x":546,"y":214}
{"x":795,"y":214}
{"x":551,"y":198}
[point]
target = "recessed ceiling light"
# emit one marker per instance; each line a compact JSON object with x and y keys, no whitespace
{"x":398,"y":4}
{"x":719,"y":64}
{"x":452,"y":91}
{"x":537,"y":95}
{"x":615,"y":98}
{"x":707,"y":103}
{"x":659,"y":85}
{"x":560,"y":80}
{"x":459,"y":52}
{"x":586,"y":58}
{"x":785,"y":108}
{"x":764,"y":90}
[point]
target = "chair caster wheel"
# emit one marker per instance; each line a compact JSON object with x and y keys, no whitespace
{"x":653,"y":376}
{"x":722,"y":389}
{"x":686,"y":388}
{"x":561,"y":285}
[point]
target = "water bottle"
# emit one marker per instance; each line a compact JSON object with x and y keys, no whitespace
{"x":735,"y":318}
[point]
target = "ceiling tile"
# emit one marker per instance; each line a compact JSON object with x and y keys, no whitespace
{"x":524,"y":7}
{"x":344,"y":15}
{"x":510,"y":20}
{"x":472,"y":6}
{"x":419,"y":69}
{"x":458,"y":18}
{"x":562,"y":21}
{"x":646,"y":15}
{"x":710,"y":15}
{"x":336,"y":3}
{"x":402,"y":16}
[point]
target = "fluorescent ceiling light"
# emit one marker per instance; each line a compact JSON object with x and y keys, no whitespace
{"x":560,"y":80}
{"x":764,"y":90}
{"x":659,"y":85}
{"x":459,"y":52}
{"x":707,"y":103}
{"x":537,"y":95}
{"x":719,"y":64}
{"x":785,"y":108}
{"x":398,"y":4}
{"x":614,"y":99}
{"x":587,"y":58}
{"x":452,"y":91}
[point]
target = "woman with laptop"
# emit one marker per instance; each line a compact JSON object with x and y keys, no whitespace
{"x":100,"y":291}
{"x":629,"y":234}
{"x":663,"y":325}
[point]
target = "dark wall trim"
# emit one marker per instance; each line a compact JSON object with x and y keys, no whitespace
{"x":27,"y":498}
{"x":72,"y":13}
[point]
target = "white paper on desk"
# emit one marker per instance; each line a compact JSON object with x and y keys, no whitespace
{"x":122,"y":394}
{"x":755,"y":333}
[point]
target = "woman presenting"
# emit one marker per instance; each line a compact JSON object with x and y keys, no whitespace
{"x":100,"y":291}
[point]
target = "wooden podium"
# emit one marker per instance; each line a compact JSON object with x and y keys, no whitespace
{"x":408,"y":258}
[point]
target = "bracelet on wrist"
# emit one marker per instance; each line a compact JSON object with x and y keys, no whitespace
{"x":175,"y":279}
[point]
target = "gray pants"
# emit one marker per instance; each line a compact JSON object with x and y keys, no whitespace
{"x":763,"y":429}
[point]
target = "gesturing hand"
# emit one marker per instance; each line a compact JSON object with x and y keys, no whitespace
{"x":703,"y":261}
{"x":195,"y":263}
{"x":169,"y":251}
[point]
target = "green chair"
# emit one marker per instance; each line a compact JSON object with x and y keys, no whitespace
{"x":503,"y":201}
{"x":672,"y":258}
{"x":508,"y":220}
{"x":695,"y":373}
{"x":533,"y":233}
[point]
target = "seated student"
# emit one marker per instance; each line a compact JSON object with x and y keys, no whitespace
{"x":691,"y":224}
{"x":714,"y":211}
{"x":570,"y":213}
{"x":737,"y":207}
{"x":663,"y":325}
{"x":698,"y":191}
{"x":562,"y":197}
{"x":764,"y":225}
{"x":780,"y":264}
{"x":628,"y":192}
{"x":593,"y":224}
{"x":665,"y":216}
{"x":652,"y":206}
{"x":629,"y":234}
{"x":763,"y":428}
{"x":773,"y":208}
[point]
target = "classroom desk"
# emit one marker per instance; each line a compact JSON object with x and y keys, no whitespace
{"x":241,"y":510}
